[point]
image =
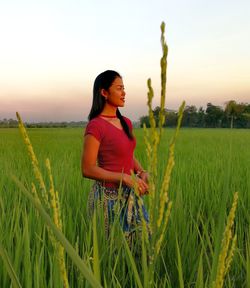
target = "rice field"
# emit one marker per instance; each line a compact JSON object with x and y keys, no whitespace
{"x":210,"y":165}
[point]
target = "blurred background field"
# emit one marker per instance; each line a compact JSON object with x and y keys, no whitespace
{"x":210,"y":165}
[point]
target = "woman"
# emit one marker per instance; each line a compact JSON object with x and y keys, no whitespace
{"x":108,"y":155}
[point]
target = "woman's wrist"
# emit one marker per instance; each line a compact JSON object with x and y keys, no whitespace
{"x":140,"y":172}
{"x":124,"y":178}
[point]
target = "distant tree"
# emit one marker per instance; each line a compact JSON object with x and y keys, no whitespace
{"x":8,"y":123}
{"x":144,"y":120}
{"x":171,"y":119}
{"x":234,"y":115}
{"x":243,"y":115}
{"x":214,"y":115}
{"x":13,"y":123}
{"x":190,"y":116}
{"x":201,"y":117}
{"x":231,"y":111}
{"x":156,"y":113}
{"x":246,"y":115}
{"x":237,"y":113}
{"x":247,"y":119}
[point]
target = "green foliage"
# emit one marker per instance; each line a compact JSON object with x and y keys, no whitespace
{"x":234,"y":115}
{"x":9,"y":267}
{"x":59,"y":236}
{"x":209,"y":166}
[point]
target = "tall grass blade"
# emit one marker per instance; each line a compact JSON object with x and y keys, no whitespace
{"x":248,"y":261}
{"x":27,"y":250}
{"x":6,"y":260}
{"x":199,"y":281}
{"x":144,"y":262}
{"x":96,"y":262}
{"x":87,"y":273}
{"x":131,"y":261}
{"x":222,"y":213}
{"x":226,"y":255}
{"x":179,"y":266}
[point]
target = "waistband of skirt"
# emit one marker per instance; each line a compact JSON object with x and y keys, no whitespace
{"x":125,"y":190}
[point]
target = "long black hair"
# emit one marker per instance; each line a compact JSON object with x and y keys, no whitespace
{"x":104,"y":81}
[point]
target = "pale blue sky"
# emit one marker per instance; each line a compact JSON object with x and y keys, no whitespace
{"x":51,"y":52}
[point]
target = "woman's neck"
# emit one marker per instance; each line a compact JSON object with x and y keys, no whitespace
{"x":109,"y":110}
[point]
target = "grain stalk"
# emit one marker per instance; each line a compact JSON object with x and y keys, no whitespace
{"x":159,"y":204}
{"x":82,"y":266}
{"x":54,"y":199}
{"x":54,"y":203}
{"x":163,"y":76}
{"x":34,"y":161}
{"x":228,"y":245}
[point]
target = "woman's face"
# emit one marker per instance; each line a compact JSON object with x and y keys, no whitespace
{"x":115,"y":95}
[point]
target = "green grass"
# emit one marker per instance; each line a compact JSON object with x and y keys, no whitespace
{"x":210,"y":165}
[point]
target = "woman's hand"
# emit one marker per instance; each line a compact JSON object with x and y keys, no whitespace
{"x":144,"y":176}
{"x":142,"y":186}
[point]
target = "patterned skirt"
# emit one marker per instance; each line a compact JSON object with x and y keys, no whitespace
{"x":122,"y":203}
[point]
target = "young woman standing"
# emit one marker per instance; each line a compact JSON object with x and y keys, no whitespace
{"x":108,"y":154}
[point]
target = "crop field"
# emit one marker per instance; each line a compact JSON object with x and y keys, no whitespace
{"x":210,"y":166}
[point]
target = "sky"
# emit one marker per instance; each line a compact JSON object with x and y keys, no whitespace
{"x":51,"y":51}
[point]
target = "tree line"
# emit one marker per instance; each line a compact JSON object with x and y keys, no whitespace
{"x":234,"y":115}
{"x":11,"y":123}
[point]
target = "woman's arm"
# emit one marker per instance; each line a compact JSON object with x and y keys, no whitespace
{"x":91,"y":170}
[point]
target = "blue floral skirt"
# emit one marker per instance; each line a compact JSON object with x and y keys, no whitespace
{"x":119,"y":202}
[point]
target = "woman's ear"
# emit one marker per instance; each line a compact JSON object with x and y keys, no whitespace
{"x":104,"y":93}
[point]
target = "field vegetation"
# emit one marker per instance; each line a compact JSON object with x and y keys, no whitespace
{"x":210,"y":165}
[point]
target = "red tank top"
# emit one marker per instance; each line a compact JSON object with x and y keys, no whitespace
{"x":116,"y":149}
